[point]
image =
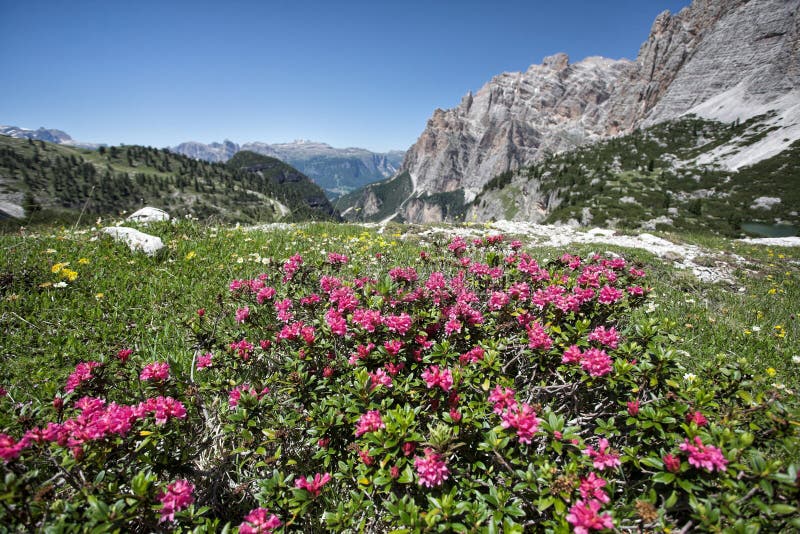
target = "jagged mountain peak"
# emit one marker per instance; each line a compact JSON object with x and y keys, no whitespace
{"x":745,"y":53}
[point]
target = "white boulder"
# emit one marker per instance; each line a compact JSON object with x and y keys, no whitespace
{"x":137,"y":241}
{"x":148,"y":214}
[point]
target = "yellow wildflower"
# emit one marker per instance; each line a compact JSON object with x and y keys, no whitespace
{"x":190,"y":255}
{"x":55,"y":269}
{"x":771,"y":371}
{"x":69,"y":274}
{"x":99,"y":296}
{"x":83,"y":261}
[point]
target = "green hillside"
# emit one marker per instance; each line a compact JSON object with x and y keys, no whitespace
{"x":57,"y":182}
{"x":377,"y":201}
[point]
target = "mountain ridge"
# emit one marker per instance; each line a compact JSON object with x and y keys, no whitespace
{"x":744,"y":54}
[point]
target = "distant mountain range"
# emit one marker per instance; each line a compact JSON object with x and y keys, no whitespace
{"x":44,"y":134}
{"x":336,"y":170}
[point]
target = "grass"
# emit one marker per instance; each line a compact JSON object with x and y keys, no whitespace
{"x":120,"y":299}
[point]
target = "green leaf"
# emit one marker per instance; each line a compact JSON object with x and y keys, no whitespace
{"x":783,"y":509}
{"x":665,"y":478}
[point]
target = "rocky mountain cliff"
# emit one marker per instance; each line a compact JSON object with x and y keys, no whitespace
{"x":336,"y":170}
{"x":720,"y":59}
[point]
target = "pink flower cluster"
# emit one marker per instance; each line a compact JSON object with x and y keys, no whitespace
{"x":313,"y":485}
{"x":594,"y":361}
{"x":369,"y":422}
{"x":204,"y":360}
{"x":399,"y":324}
{"x":431,"y":469}
{"x":96,"y":421}
{"x":337,"y":259}
{"x":259,"y":521}
{"x":82,"y":373}
{"x":178,"y":496}
{"x":291,"y":267}
{"x":702,"y":456}
{"x":518,"y":416}
{"x":379,"y":378}
{"x":608,"y":337}
{"x":434,"y":376}
{"x":603,"y":457}
{"x":155,"y":371}
{"x":584,"y":516}
{"x":538,"y":337}
{"x":242,"y":314}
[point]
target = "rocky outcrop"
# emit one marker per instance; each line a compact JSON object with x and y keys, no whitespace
{"x":137,"y":241}
{"x":743,"y":53}
{"x":511,"y":120}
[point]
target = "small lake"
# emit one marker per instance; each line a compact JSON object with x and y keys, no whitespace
{"x":770,"y":230}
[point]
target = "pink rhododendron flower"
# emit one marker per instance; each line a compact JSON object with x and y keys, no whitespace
{"x":672,"y":463}
{"x":155,"y":371}
{"x":474,"y":355}
{"x":243,"y":348}
{"x":313,"y":486}
{"x":10,"y":449}
{"x":379,"y":378}
{"x":702,"y":456}
{"x":177,"y":497}
{"x":403,"y":274}
{"x":596,"y":362}
{"x":399,"y":324}
{"x":291,"y":266}
{"x":259,"y":521}
{"x":522,"y":418}
{"x":633,"y":408}
{"x":697,"y":418}
{"x":336,"y":322}
{"x":584,"y":516}
{"x":572,"y":354}
{"x":431,"y":469}
{"x":242,"y":314}
{"x":603,"y":458}
{"x":452,"y":326}
{"x":393,"y":368}
{"x":434,"y":376}
{"x":365,"y":457}
{"x":503,"y":398}
{"x":609,"y":295}
{"x":204,"y":360}
{"x":369,"y":422}
{"x":608,"y":337}
{"x":367,"y":319}
{"x":457,"y":246}
{"x":82,"y":373}
{"x":337,"y":259}
{"x":265,"y":293}
{"x":393,"y":346}
{"x":124,"y":354}
{"x":537,"y":337}
{"x":592,"y":488}
{"x":497,"y":300}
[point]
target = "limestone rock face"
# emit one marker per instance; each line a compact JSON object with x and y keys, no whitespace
{"x":511,"y":120}
{"x":707,"y":49}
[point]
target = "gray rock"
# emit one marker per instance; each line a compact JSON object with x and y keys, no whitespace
{"x":148,"y":214}
{"x":137,"y":241}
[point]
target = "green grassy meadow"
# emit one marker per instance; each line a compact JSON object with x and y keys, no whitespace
{"x":120,"y":299}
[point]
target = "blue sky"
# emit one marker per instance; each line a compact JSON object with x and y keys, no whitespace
{"x":363,"y":74}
